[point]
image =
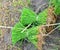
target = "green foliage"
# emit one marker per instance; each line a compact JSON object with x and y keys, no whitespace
{"x":42,"y":17}
{"x":56,"y":4}
{"x":27,"y":16}
{"x":29,"y":33}
{"x":32,"y":32}
{"x":16,"y":33}
{"x":57,"y":7}
{"x":33,"y":39}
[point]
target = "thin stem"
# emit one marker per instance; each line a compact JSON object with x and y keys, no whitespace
{"x":6,"y":27}
{"x":51,"y":31}
{"x":30,"y":24}
{"x":25,"y":28}
{"x":51,"y":24}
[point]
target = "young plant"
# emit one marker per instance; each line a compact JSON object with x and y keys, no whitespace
{"x":27,"y":17}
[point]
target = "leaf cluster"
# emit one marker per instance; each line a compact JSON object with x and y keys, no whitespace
{"x":28,"y":17}
{"x":56,"y":4}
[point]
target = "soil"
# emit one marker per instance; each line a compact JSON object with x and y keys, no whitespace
{"x":9,"y":16}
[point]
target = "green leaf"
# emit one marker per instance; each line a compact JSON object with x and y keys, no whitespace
{"x":56,"y":4}
{"x":42,"y":17}
{"x":16,"y":33}
{"x":32,"y":32}
{"x":27,"y":16}
{"x":33,"y":39}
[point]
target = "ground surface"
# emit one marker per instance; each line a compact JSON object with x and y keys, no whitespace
{"x":9,"y":15}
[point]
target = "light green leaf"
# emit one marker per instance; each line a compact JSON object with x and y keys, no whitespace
{"x":27,"y":16}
